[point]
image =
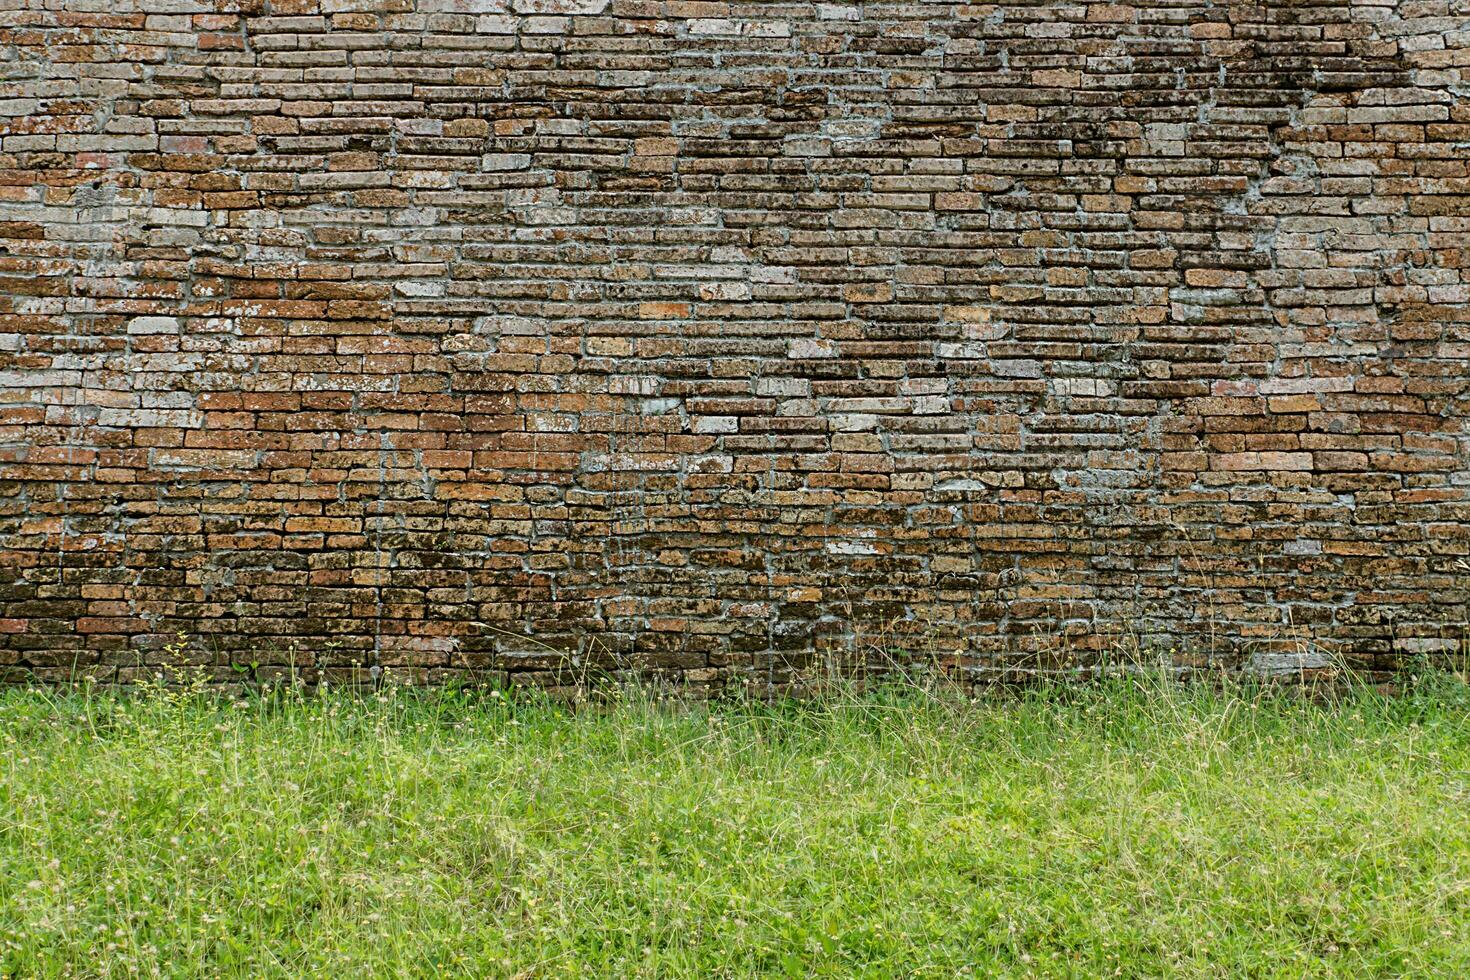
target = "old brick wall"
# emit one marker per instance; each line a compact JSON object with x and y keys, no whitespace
{"x":701,"y":338}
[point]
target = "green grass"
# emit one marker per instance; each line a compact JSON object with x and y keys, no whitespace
{"x":1123,"y":829}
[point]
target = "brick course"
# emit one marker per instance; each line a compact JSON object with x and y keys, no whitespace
{"x":701,"y":338}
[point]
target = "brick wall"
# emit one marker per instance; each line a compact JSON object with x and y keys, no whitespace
{"x":701,"y":338}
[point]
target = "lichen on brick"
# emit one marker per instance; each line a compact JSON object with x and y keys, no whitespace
{"x":522,"y":338}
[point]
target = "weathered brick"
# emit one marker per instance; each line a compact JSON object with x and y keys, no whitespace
{"x":450,"y":330}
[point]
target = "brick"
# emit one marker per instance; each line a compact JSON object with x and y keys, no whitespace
{"x":1262,"y":461}
{"x":731,"y":334}
{"x":879,"y":292}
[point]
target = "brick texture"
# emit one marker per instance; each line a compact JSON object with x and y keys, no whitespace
{"x":703,"y":339}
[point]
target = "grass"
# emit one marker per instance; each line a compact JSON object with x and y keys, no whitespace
{"x":1124,"y":829}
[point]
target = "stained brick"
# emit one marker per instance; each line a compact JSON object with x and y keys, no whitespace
{"x":723,"y":335}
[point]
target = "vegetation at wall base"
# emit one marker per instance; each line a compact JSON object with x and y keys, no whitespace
{"x":1125,"y":828}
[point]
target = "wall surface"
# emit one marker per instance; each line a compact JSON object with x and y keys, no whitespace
{"x":704,"y":338}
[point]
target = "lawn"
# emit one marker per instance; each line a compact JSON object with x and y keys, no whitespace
{"x":1126,"y":829}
